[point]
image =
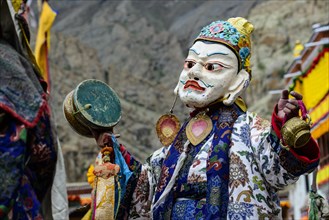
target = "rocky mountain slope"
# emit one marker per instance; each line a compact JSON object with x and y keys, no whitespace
{"x":138,"y":48}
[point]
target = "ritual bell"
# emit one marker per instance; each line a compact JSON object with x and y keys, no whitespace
{"x":296,"y":132}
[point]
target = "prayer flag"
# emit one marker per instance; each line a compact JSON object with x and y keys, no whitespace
{"x":42,"y":44}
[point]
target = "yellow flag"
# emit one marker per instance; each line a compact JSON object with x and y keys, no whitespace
{"x":42,"y":44}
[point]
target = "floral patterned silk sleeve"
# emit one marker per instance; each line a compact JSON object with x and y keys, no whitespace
{"x":260,"y":166}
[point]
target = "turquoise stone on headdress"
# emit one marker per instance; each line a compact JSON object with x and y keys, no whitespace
{"x":222,"y":30}
{"x":234,"y":33}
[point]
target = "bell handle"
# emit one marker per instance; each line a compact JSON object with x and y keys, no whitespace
{"x":308,"y":119}
{"x":302,"y":109}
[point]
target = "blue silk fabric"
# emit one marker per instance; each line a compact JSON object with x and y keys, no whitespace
{"x":124,"y":173}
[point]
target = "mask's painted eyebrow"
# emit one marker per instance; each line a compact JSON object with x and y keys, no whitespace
{"x":216,"y":53}
{"x":193,"y":50}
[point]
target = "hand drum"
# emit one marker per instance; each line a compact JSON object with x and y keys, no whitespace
{"x":92,"y":105}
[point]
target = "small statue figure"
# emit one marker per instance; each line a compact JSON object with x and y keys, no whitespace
{"x":103,"y":194}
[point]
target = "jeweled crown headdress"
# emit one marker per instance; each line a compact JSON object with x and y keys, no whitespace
{"x":234,"y":33}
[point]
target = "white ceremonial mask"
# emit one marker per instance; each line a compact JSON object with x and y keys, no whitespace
{"x":210,"y":73}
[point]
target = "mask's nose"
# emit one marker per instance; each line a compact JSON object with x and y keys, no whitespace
{"x":195,"y":71}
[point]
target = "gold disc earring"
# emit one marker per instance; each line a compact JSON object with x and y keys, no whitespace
{"x":167,"y":127}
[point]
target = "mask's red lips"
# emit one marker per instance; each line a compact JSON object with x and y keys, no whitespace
{"x":193,"y":85}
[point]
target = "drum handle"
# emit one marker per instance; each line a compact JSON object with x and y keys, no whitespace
{"x":86,"y":107}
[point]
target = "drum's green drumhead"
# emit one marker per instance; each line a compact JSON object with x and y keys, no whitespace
{"x":97,"y":103}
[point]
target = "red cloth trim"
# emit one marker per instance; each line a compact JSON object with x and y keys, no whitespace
{"x":29,"y":124}
{"x":309,"y":153}
{"x":276,"y":122}
{"x":44,"y":84}
{"x":126,"y":155}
